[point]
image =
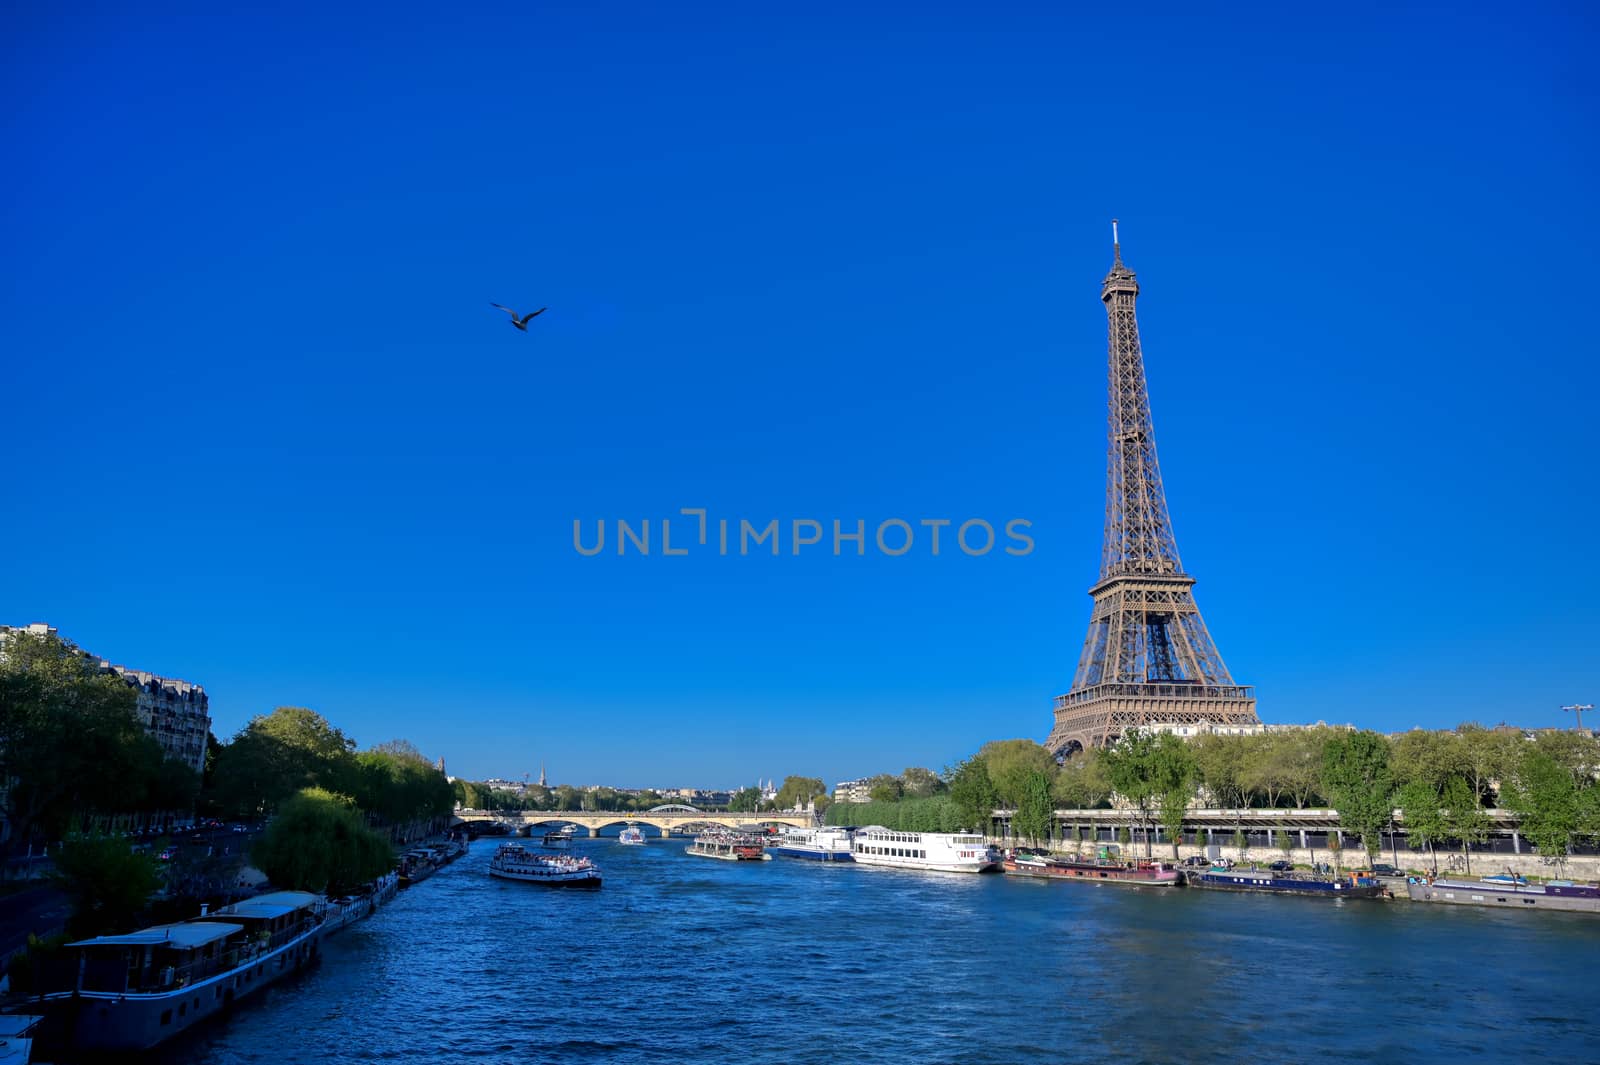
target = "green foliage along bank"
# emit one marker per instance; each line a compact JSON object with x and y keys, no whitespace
{"x":1440,"y":782}
{"x":72,"y":748}
{"x":319,"y":842}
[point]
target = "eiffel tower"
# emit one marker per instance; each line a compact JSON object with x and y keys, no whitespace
{"x":1148,"y":658}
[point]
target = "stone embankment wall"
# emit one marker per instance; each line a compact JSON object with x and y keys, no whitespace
{"x":1451,"y":863}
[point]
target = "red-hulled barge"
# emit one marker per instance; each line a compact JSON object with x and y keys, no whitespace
{"x":1106,"y":867}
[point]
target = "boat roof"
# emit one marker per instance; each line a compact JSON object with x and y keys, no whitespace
{"x":272,"y":904}
{"x":186,"y":936}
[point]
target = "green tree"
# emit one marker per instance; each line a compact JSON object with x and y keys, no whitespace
{"x":1285,"y":841}
{"x":399,"y":785}
{"x":1033,"y":812}
{"x":973,"y":794}
{"x":1135,"y":766}
{"x":318,"y":842}
{"x":1010,"y":763}
{"x":70,"y":740}
{"x":745,"y":800}
{"x":108,"y":883}
{"x":1424,"y":816}
{"x":919,"y":783}
{"x":1082,"y":783}
{"x":1356,"y":776}
{"x":1281,"y":765}
{"x":1219,"y":760}
{"x":797,"y":791}
{"x":1429,"y":757}
{"x":1547,"y":800}
{"x":885,"y":788}
{"x":1465,"y":820}
{"x":1175,"y":784}
{"x":279,"y":754}
{"x":1488,"y":755}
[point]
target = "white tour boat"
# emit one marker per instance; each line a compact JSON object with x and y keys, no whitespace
{"x":513,"y":861}
{"x":728,"y":846}
{"x":943,"y":852}
{"x":817,"y":844}
{"x":631,"y":836}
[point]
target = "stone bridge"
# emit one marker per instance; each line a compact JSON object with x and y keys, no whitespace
{"x":666,"y":819}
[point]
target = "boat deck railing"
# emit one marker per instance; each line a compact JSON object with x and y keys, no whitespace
{"x":138,"y":979}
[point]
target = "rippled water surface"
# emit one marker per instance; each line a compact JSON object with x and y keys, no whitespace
{"x":685,"y":959}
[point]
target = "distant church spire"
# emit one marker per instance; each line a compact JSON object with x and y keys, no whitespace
{"x":541,"y":773}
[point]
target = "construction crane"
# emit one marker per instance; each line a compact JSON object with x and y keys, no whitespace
{"x":1579,"y":708}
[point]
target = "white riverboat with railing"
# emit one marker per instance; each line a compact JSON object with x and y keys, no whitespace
{"x":631,"y":835}
{"x":513,"y":861}
{"x":816,"y":844}
{"x":942,"y":852}
{"x":728,"y":846}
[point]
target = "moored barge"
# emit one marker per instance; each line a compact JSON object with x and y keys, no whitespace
{"x":1265,"y":881}
{"x":134,"y":991}
{"x":1554,"y":895}
{"x":1106,"y":867}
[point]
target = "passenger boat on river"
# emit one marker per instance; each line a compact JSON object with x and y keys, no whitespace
{"x":1106,"y":867}
{"x":1267,"y":881}
{"x":728,"y":846}
{"x":133,"y":991}
{"x":513,"y":861}
{"x":631,"y":835}
{"x":940,"y":852}
{"x":816,"y":844}
{"x":560,"y":839}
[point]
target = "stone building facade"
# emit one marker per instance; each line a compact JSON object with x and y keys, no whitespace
{"x":176,"y":712}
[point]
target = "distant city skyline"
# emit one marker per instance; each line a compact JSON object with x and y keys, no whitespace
{"x":269,"y":437}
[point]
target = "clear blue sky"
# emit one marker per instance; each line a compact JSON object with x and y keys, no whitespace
{"x":264,"y":432}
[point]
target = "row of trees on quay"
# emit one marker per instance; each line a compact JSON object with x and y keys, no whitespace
{"x":1442,"y":782}
{"x":76,"y":760}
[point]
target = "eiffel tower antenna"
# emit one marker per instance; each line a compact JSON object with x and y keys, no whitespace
{"x":1148,"y":659}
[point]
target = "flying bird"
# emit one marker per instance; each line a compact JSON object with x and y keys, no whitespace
{"x":520,"y":323}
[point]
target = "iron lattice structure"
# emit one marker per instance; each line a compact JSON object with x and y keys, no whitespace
{"x":1148,"y":658}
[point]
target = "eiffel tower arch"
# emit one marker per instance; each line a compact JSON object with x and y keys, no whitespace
{"x":1148,"y":657}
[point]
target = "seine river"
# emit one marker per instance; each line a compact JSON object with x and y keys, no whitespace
{"x":682,"y":959}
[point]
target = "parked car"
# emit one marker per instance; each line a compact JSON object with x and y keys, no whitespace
{"x":238,"y":828}
{"x":1384,"y":869}
{"x":1195,"y":861}
{"x":167,"y":855}
{"x":1281,"y":866}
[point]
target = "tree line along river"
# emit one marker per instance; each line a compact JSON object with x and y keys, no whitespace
{"x":680,"y":959}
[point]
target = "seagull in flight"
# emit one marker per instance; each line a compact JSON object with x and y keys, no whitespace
{"x":520,"y":323}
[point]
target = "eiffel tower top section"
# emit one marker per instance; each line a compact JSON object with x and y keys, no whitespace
{"x":1138,"y":534}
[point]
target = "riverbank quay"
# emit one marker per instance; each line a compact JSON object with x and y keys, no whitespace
{"x":1308,"y":833}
